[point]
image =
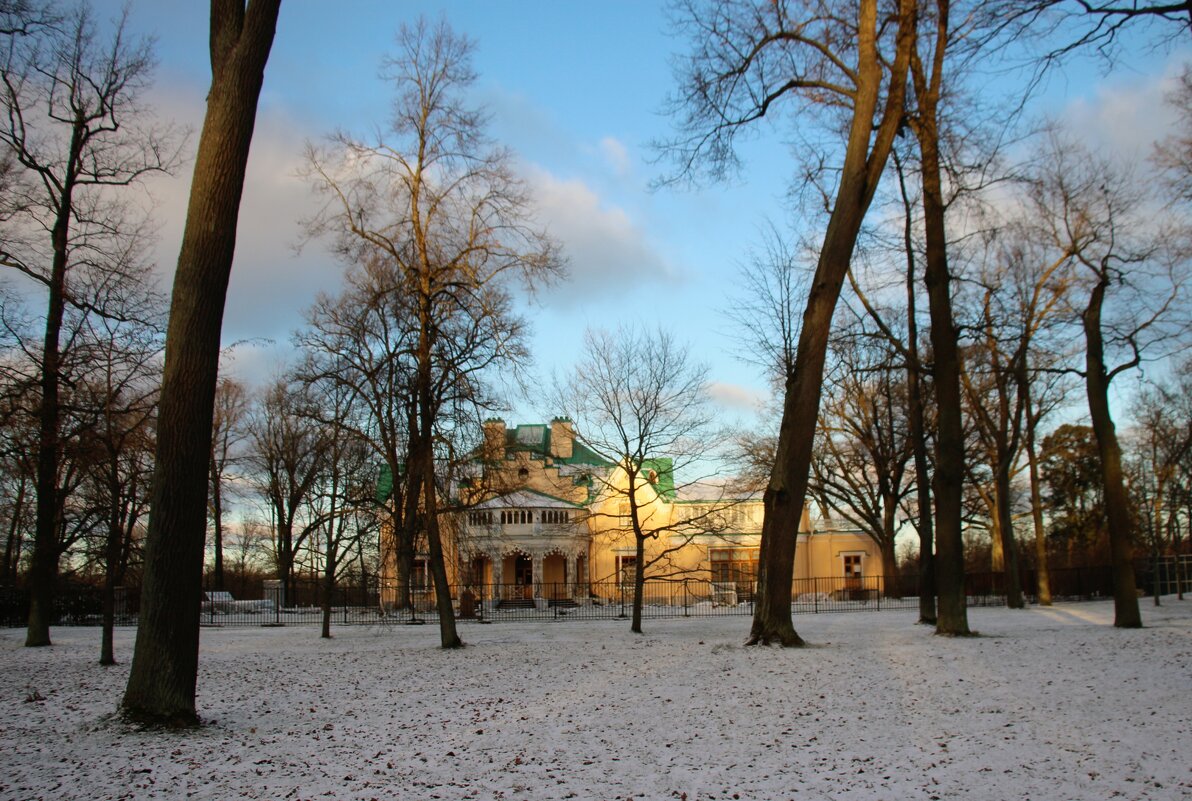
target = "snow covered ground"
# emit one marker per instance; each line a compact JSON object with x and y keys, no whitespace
{"x":1047,"y":704}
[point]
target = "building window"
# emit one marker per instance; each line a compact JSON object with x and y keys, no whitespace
{"x":515,"y":517}
{"x":733,"y":565}
{"x":556,"y":516}
{"x":852,"y":565}
{"x":480,"y":518}
{"x":420,"y":576}
{"x":626,"y":566}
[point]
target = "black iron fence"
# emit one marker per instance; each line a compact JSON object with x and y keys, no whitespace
{"x":372,"y":604}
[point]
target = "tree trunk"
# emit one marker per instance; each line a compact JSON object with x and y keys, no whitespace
{"x":1117,"y":508}
{"x":448,"y":636}
{"x":890,"y":585}
{"x":161,"y":683}
{"x":952,"y":616}
{"x":217,"y":522}
{"x":285,"y":559}
{"x":1042,"y":576}
{"x":112,"y":547}
{"x":949,"y":459}
{"x":916,"y":428}
{"x":864,"y":162}
{"x":43,"y":568}
{"x":1006,"y":531}
{"x":12,"y":543}
{"x":328,"y":592}
{"x":639,"y":578}
{"x":890,"y":570}
{"x":997,"y":556}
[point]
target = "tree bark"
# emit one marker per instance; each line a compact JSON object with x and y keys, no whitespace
{"x":864,"y":160}
{"x":1005,"y":530}
{"x":916,"y":428}
{"x":947,"y":484}
{"x":1126,"y":613}
{"x":161,"y":683}
{"x":1042,"y":576}
{"x":43,"y":567}
{"x":217,"y":521}
{"x":12,"y":543}
{"x":639,"y":572}
{"x":891,"y":587}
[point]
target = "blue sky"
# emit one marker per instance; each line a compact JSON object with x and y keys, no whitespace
{"x":576,"y":90}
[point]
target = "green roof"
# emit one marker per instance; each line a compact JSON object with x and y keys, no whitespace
{"x":385,"y":482}
{"x":664,"y":470}
{"x":535,"y":438}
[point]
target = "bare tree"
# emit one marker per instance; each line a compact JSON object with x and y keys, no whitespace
{"x":286,"y":453}
{"x":75,"y":131}
{"x":864,"y":453}
{"x":122,"y":382}
{"x":342,"y":505}
{"x":1134,"y":274}
{"x":443,"y":209}
{"x":161,"y":683}
{"x":363,"y":341}
{"x":227,"y":434}
{"x":1067,"y":26}
{"x":748,"y":58}
{"x":1174,"y":154}
{"x":641,"y":403}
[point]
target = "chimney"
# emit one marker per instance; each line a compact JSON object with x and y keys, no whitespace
{"x":562,"y":438}
{"x":494,"y":439}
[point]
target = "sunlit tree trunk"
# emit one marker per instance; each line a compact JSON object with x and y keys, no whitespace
{"x":1117,"y":504}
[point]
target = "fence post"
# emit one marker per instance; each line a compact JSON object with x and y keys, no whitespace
{"x":685,"y":610}
{"x":815,"y":595}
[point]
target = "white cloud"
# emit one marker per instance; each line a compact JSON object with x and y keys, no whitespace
{"x":1126,"y":117}
{"x":270,"y":286}
{"x":608,"y":252}
{"x":735,"y":396}
{"x":616,"y":155}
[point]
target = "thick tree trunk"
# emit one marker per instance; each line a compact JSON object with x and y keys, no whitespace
{"x":952,"y":616}
{"x":1117,"y":508}
{"x":161,"y":683}
{"x":864,"y":160}
{"x":1005,"y":529}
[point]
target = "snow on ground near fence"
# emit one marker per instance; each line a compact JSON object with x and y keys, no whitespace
{"x":1048,"y":704}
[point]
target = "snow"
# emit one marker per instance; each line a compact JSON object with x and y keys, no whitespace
{"x":1047,"y":704}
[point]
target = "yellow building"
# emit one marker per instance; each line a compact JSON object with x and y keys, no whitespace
{"x":547,"y":523}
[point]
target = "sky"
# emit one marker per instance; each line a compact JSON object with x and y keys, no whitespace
{"x":577,"y":91}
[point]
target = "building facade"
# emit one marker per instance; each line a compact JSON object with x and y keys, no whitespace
{"x":547,"y":522}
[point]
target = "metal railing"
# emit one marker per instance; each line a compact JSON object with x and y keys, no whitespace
{"x":689,"y":597}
